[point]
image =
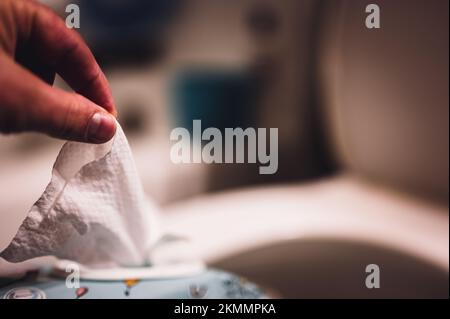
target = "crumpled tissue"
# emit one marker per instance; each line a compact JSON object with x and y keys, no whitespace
{"x":93,"y":211}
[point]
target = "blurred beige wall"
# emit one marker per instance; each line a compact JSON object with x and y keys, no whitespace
{"x":386,"y":92}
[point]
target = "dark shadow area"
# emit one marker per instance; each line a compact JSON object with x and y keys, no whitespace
{"x":320,"y":268}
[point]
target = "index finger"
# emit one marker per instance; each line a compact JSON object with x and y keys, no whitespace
{"x":65,"y":51}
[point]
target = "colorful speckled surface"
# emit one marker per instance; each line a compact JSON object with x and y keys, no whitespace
{"x":208,"y":284}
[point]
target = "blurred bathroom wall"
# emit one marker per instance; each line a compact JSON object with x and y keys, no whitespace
{"x":271,"y":43}
{"x":147,"y":49}
{"x":269,"y":52}
{"x":385,"y":100}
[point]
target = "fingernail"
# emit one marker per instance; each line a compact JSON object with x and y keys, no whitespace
{"x":101,"y":128}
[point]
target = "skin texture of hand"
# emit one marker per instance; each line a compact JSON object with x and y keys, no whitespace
{"x":34,"y":45}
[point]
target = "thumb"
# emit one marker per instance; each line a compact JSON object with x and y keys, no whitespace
{"x":72,"y":117}
{"x":29,"y":104}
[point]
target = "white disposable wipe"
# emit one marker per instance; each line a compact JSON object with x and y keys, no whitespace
{"x":93,"y":211}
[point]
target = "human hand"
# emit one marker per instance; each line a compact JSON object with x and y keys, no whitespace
{"x":34,"y":45}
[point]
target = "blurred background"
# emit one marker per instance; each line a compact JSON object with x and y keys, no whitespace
{"x":362,"y":116}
